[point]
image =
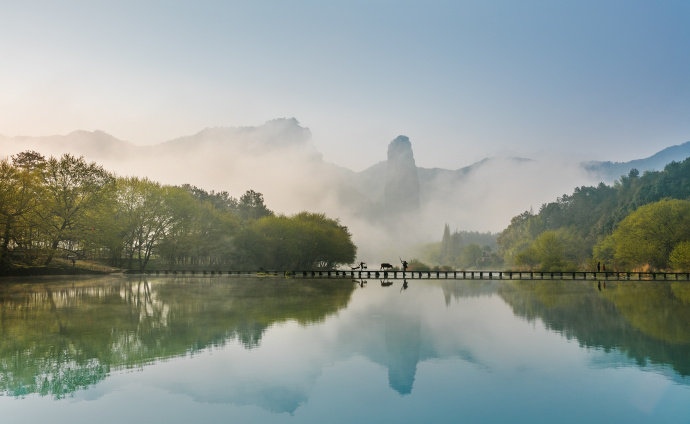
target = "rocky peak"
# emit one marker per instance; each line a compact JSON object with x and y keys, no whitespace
{"x":401,"y":193}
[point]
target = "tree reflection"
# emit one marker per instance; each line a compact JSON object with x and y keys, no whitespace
{"x":57,"y":338}
{"x":649,"y":321}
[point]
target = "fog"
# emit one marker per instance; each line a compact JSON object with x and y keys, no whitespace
{"x":279,"y":160}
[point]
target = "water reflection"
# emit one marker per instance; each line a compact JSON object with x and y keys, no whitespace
{"x":60,"y":337}
{"x":266,"y":342}
{"x":648,"y":321}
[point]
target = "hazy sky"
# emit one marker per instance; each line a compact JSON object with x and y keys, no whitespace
{"x":463,"y":79}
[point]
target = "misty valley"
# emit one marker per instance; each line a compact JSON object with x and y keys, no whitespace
{"x":345,"y":212}
{"x":64,"y":214}
{"x":192,"y":304}
{"x":125,"y":296}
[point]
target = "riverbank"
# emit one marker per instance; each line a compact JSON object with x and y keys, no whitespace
{"x":58,"y":267}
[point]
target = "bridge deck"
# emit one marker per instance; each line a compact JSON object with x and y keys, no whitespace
{"x":447,"y":275}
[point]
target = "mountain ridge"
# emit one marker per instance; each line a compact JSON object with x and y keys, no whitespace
{"x":287,"y":132}
{"x":610,"y":171}
{"x":279,"y":160}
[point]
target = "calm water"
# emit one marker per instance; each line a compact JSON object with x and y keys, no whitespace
{"x":181,"y":350}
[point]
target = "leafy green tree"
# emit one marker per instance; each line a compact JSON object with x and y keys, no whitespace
{"x":417,"y":265}
{"x":19,"y":191}
{"x":69,"y":204}
{"x":470,"y":256}
{"x":586,"y":217}
{"x":649,"y":234}
{"x":203,"y":236}
{"x":72,"y":186}
{"x":146,"y":215}
{"x":527,"y":257}
{"x":251,"y":206}
{"x":304,"y":241}
{"x":549,"y":252}
{"x":679,"y":258}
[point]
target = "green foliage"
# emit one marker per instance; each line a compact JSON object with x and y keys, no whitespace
{"x":679,"y":258}
{"x":463,"y":249}
{"x":251,"y":206}
{"x":71,"y":188}
{"x":417,"y":265}
{"x":549,"y":252}
{"x":68,"y":208}
{"x":649,"y":235}
{"x":584,"y":219}
{"x":303,"y":241}
{"x":20,"y":189}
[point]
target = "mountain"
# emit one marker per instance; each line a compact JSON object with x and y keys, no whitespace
{"x":391,"y":204}
{"x":401,"y":193}
{"x":96,"y":145}
{"x":610,"y":171}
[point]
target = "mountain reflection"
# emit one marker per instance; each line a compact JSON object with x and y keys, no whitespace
{"x":57,"y":338}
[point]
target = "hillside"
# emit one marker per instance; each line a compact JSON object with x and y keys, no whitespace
{"x":610,"y":171}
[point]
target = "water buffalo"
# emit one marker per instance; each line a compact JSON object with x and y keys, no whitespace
{"x":386,"y":265}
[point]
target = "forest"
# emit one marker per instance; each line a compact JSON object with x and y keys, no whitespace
{"x":641,"y":222}
{"x":55,"y":212}
{"x":459,"y":250}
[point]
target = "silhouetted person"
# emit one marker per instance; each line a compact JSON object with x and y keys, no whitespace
{"x":363,"y":265}
{"x":603,"y":267}
{"x":404,"y":265}
{"x":598,"y":266}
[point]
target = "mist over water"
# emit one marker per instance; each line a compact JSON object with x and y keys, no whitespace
{"x":388,"y":207}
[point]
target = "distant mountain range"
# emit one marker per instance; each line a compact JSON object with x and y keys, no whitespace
{"x":610,"y":171}
{"x":287,"y":133}
{"x":391,"y":198}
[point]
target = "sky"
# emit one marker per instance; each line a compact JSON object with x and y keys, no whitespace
{"x":605,"y":80}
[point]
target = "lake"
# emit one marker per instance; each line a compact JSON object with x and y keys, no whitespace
{"x":273,"y":350}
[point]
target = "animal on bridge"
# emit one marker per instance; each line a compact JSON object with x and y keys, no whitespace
{"x":386,"y":265}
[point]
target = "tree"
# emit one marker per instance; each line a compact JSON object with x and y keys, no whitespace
{"x":147,"y":215}
{"x":679,"y":258}
{"x":251,"y":206}
{"x":19,"y":191}
{"x":470,"y":256}
{"x":549,"y":251}
{"x":590,"y":214}
{"x":446,"y":248}
{"x":72,"y":186}
{"x":304,"y":241}
{"x":649,"y":234}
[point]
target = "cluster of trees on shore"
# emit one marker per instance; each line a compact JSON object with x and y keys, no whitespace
{"x":463,"y":250}
{"x":64,"y":207}
{"x":640,"y":222}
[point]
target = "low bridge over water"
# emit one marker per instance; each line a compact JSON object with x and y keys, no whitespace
{"x":446,"y":275}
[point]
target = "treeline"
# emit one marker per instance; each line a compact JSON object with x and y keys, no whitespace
{"x":634,"y":224}
{"x":463,"y":250}
{"x":67,"y":209}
